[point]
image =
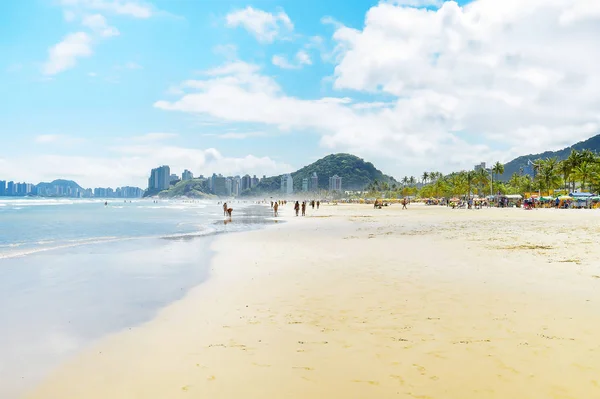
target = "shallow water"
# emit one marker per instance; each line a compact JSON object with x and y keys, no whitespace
{"x":75,"y":272}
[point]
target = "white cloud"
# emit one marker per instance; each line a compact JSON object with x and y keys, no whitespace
{"x":449,"y":87}
{"x":282,"y":62}
{"x":417,"y":3}
{"x":265,"y":26}
{"x":229,"y":51}
{"x":47,"y":138}
{"x":303,"y":58}
{"x":134,"y":9}
{"x":130,"y":162}
{"x":238,"y":136}
{"x":97,"y":23}
{"x":64,"y":55}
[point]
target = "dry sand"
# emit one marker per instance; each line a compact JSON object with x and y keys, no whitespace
{"x":363,"y":303}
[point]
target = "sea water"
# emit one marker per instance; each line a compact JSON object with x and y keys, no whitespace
{"x":73,"y":271}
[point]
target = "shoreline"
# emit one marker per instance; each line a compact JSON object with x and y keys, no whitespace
{"x":354,"y":303}
{"x":60,"y":301}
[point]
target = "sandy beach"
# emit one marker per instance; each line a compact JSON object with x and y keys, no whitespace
{"x":353,"y":302}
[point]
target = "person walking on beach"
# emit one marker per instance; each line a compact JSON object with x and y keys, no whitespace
{"x":404,"y":203}
{"x":225,"y":209}
{"x":275,"y":208}
{"x":303,"y":208}
{"x":297,"y":207}
{"x":312,"y":203}
{"x":318,"y":203}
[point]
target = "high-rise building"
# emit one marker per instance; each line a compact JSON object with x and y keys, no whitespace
{"x":314,"y":182}
{"x":229,"y":186}
{"x":236,"y":186}
{"x":10,"y":188}
{"x":305,"y":184}
{"x":246,"y":182}
{"x":335,"y":183}
{"x":479,"y":166}
{"x":287,"y":184}
{"x":219,"y":185}
{"x":160,"y":178}
{"x":2,"y":188}
{"x":173,"y":178}
{"x":187,"y":175}
{"x":254,"y":181}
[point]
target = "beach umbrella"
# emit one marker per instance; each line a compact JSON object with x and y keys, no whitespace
{"x":595,"y":198}
{"x":565,"y":197}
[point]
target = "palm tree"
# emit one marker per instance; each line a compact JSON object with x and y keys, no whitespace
{"x":482,"y":178}
{"x":583,"y":173}
{"x":515,"y":182}
{"x":405,"y":181}
{"x":574,"y":159}
{"x":498,"y":169}
{"x":425,"y":177}
{"x":471,"y":178}
{"x":565,"y":169}
{"x":412,"y":180}
{"x":548,"y":173}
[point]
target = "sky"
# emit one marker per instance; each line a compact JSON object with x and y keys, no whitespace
{"x":101,"y":91}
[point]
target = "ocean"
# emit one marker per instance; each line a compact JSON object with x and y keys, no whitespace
{"x":74,"y":271}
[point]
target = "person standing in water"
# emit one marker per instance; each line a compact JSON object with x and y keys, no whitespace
{"x":275,"y":208}
{"x":297,"y":207}
{"x":303,"y":208}
{"x":225,"y":209}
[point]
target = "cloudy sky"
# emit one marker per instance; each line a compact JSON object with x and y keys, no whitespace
{"x":100,"y":91}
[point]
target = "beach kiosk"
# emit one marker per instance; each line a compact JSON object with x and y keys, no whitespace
{"x":581,"y":200}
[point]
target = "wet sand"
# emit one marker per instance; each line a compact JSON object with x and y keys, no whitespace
{"x":352,"y":302}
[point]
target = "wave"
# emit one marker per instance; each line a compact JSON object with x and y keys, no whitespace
{"x":97,"y":240}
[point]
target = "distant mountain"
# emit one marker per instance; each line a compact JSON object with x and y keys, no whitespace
{"x":356,"y":174}
{"x":519,"y":163}
{"x":65,"y":184}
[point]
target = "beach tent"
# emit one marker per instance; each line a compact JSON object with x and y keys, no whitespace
{"x":513,"y":196}
{"x":581,"y":195}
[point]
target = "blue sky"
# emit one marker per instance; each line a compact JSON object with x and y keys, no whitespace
{"x":102,"y":90}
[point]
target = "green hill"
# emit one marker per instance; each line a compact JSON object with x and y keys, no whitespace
{"x":195,"y":188}
{"x":517,"y":164}
{"x":356,"y":174}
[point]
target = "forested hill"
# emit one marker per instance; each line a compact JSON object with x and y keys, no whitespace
{"x":355,"y":172}
{"x":515,"y":165}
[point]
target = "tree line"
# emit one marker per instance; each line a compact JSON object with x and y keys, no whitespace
{"x":581,"y":170}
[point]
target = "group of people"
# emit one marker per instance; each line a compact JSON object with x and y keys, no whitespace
{"x":297,"y":206}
